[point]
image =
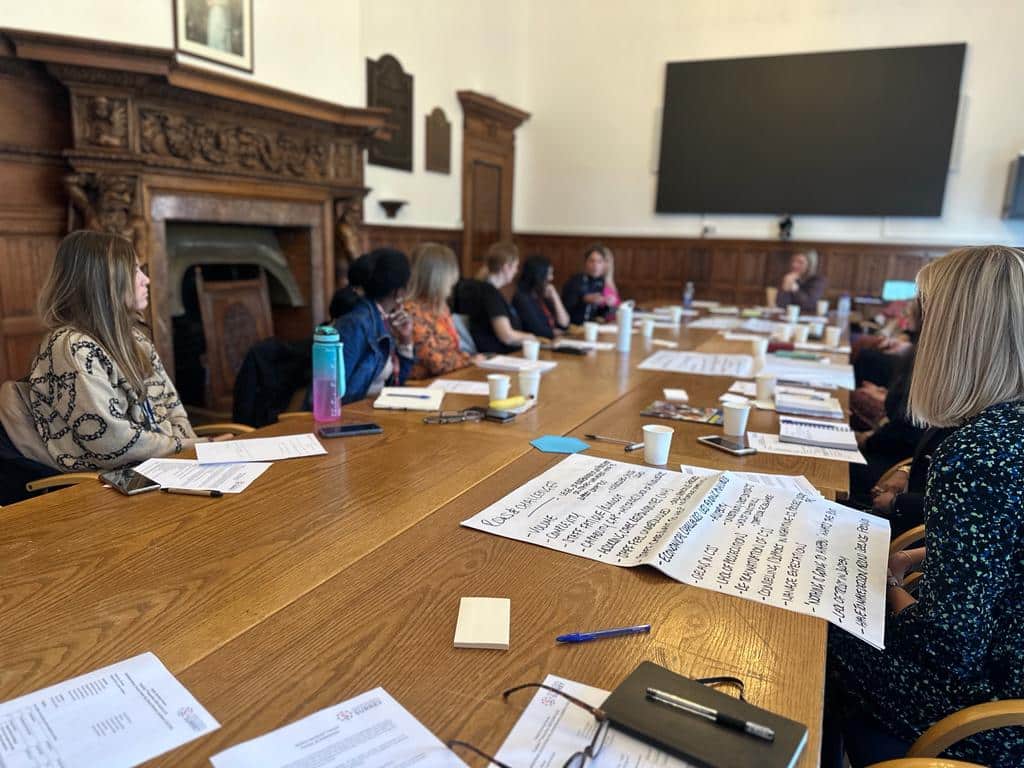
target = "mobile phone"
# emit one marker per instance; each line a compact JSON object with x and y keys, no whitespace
{"x":499,"y":416}
{"x":737,"y":446}
{"x":349,"y":430}
{"x":128,"y":481}
{"x":570,"y":350}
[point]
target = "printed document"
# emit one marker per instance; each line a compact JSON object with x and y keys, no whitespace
{"x":699,"y":363}
{"x":792,"y":483}
{"x":721,"y":532}
{"x":461,"y":387}
{"x":370,"y":731}
{"x":765,"y":443}
{"x":552,"y":729}
{"x":191,"y":475}
{"x":117,"y":717}
{"x":810,"y":373}
{"x":508,"y":363}
{"x":260,"y":449}
{"x":717,"y":323}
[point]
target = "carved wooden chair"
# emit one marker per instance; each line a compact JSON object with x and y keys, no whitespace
{"x":236,"y":314}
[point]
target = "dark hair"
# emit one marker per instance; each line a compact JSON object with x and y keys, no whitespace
{"x":599,"y":248}
{"x":534,"y":275}
{"x":359,"y":270}
{"x":388,"y":271}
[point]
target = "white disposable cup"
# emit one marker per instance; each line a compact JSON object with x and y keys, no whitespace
{"x":832,"y":334}
{"x":800,"y":334}
{"x":793,"y":312}
{"x":759,"y":347}
{"x":590,"y":331}
{"x":497,"y":386}
{"x":647,"y":328}
{"x":735,"y":418}
{"x":677,"y":315}
{"x":765,"y":387}
{"x":817,"y":329}
{"x":786,"y":332}
{"x":657,"y":441}
{"x":529,"y":384}
{"x":822,"y":308}
{"x":771,"y":296}
{"x":531,"y":348}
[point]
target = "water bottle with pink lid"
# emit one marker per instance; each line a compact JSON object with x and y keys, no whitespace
{"x":328,"y":374}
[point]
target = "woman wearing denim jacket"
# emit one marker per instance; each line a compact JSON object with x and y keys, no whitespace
{"x":377,"y":333}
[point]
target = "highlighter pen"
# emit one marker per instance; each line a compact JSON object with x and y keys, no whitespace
{"x":600,"y":634}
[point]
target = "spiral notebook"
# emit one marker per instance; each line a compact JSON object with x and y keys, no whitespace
{"x":699,"y":741}
{"x":821,"y":434}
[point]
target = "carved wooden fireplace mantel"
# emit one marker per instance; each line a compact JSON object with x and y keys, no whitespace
{"x":150,"y":135}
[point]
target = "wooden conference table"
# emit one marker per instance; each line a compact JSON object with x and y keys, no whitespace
{"x":335,"y":574}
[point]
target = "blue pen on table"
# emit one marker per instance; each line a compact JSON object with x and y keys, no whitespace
{"x":405,"y":394}
{"x":600,"y":634}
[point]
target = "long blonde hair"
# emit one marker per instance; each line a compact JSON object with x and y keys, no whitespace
{"x":434,"y":273}
{"x":91,"y":288}
{"x":970,"y":354}
{"x":497,"y":257}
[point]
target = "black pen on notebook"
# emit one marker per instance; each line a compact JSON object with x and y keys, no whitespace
{"x":193,"y":492}
{"x":692,"y":707}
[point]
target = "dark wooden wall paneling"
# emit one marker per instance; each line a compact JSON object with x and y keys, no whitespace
{"x":652,"y":269}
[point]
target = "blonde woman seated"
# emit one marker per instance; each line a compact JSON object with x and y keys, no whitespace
{"x":97,"y":396}
{"x":802,"y":285}
{"x":435,"y":340}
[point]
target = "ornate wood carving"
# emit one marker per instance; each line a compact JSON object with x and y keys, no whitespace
{"x":102,"y":121}
{"x":109,"y":203}
{"x":439,"y":142}
{"x":390,"y":86}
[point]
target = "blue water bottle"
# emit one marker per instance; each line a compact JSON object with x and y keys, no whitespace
{"x":688,"y":295}
{"x":328,"y":374}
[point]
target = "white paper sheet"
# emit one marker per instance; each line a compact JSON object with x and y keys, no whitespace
{"x":664,"y":343}
{"x":720,"y":532}
{"x":507,"y":363}
{"x":814,"y":346}
{"x":260,"y":449}
{"x":460,"y":387}
{"x":792,"y":483}
{"x":551,"y":729}
{"x":757,"y":325}
{"x":703,"y":304}
{"x":726,"y":323}
{"x":676,"y":395}
{"x":115,"y":717}
{"x":190,"y":474}
{"x":409,"y":399}
{"x":603,"y":346}
{"x":699,"y":363}
{"x":732,"y":336}
{"x":765,"y":443}
{"x":371,"y":730}
{"x":810,"y":373}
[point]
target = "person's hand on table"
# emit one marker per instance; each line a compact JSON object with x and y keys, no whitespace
{"x":221,"y":438}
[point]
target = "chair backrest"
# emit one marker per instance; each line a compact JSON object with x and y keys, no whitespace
{"x":236,"y":315}
{"x":465,"y":336}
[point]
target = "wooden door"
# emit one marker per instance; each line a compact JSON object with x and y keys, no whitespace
{"x":488,"y":171}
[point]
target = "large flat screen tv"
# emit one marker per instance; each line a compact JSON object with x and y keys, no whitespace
{"x":848,"y":133}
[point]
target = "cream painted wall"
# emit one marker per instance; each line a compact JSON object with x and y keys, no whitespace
{"x":595,"y":79}
{"x":307,"y":46}
{"x":447,"y":45}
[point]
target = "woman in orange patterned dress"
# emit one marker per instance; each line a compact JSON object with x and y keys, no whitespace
{"x":435,"y":340}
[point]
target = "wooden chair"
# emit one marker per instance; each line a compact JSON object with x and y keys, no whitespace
{"x":236,"y":314}
{"x":294,"y":415}
{"x":899,"y":466}
{"x":924,"y":753}
{"x":61,"y":481}
{"x":227,"y":427}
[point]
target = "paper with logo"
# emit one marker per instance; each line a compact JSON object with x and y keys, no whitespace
{"x":260,"y":449}
{"x":699,"y":363}
{"x":190,"y":474}
{"x":118,"y":716}
{"x":371,"y":730}
{"x":720,"y":532}
{"x":551,"y":729}
{"x":795,"y":483}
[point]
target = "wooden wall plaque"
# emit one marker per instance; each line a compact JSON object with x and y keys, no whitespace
{"x":439,"y":142}
{"x":390,"y":86}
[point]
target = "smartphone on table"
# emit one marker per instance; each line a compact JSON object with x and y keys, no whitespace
{"x":128,"y":481}
{"x":737,"y":446}
{"x":349,"y":430}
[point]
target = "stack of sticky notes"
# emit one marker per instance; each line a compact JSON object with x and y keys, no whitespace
{"x":483,"y":623}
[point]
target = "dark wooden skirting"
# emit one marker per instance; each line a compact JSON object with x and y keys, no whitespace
{"x":656,"y":268}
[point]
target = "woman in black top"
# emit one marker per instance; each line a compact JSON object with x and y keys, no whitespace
{"x":801,"y":285}
{"x":583,"y":293}
{"x":537,"y":301}
{"x":492,"y":321}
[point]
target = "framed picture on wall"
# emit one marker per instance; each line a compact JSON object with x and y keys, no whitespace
{"x":215,"y":30}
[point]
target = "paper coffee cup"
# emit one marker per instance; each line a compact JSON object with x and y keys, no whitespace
{"x":677,"y":315}
{"x":817,"y":329}
{"x":786,"y":332}
{"x":657,"y":441}
{"x":531,"y":348}
{"x":529,"y":384}
{"x":647,"y":328}
{"x":590,"y":331}
{"x":765,"y":387}
{"x":735,"y":421}
{"x":793,"y":312}
{"x":759,"y":348}
{"x":771,"y":296}
{"x":832,"y":336}
{"x":822,"y":308}
{"x":800,"y":334}
{"x":497,"y":386}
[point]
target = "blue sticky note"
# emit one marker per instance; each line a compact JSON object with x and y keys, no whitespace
{"x":558,"y":444}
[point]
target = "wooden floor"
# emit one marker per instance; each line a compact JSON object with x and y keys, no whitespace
{"x":332,"y":575}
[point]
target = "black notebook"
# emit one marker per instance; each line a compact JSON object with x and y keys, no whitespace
{"x":696,"y":739}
